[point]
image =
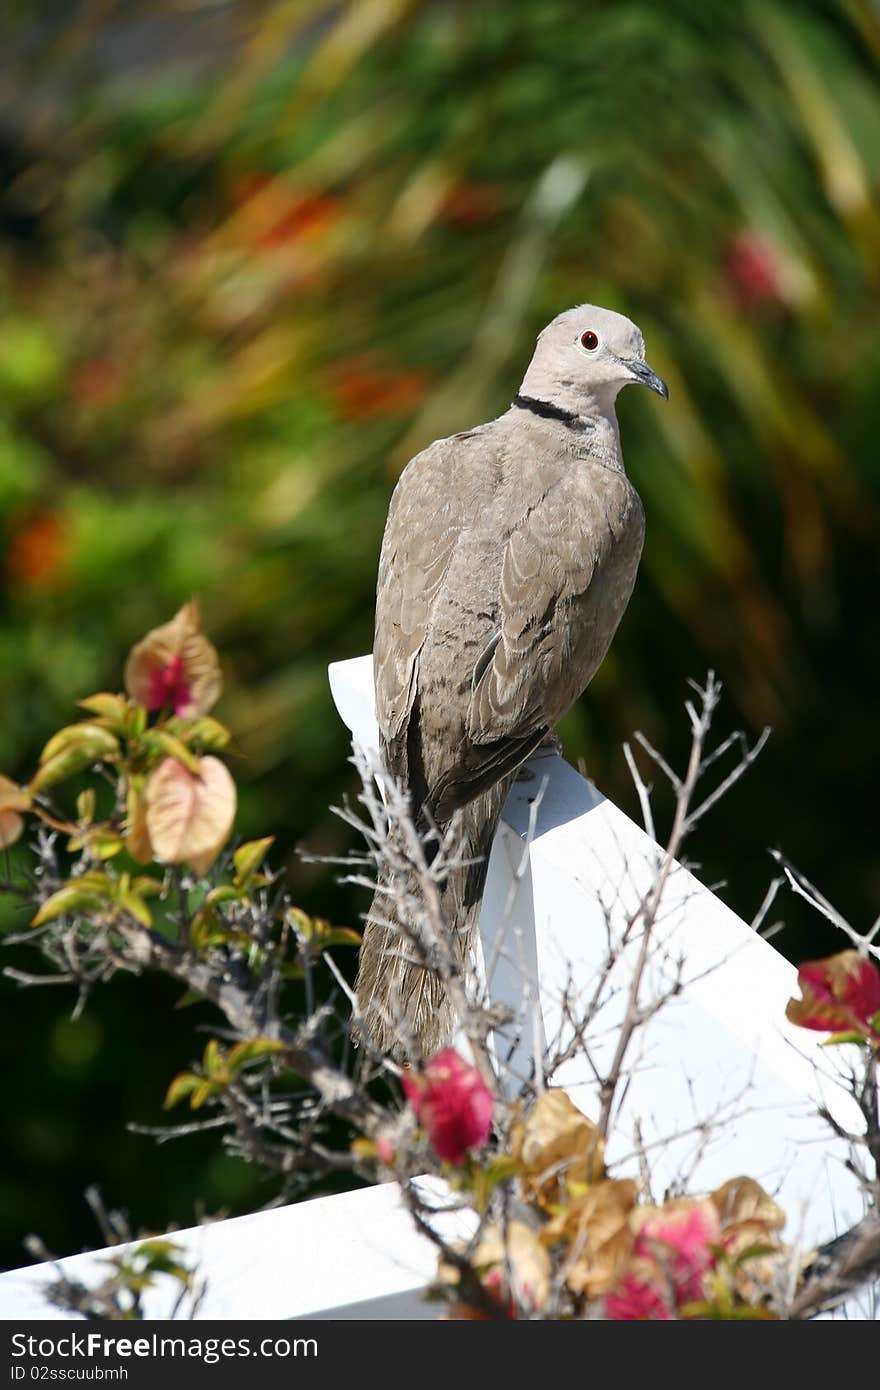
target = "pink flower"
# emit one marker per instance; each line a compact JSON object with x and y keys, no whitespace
{"x":452,"y":1103}
{"x":840,"y":994}
{"x":385,"y":1150}
{"x":175,"y":666}
{"x":679,"y":1237}
{"x":167,"y":685}
{"x":636,"y":1300}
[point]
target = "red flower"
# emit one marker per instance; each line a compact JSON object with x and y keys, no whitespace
{"x":840,"y":994}
{"x":364,"y":388}
{"x":636,"y":1300}
{"x":452,"y":1103}
{"x":753,"y":271}
{"x":38,"y":551}
{"x":273,"y":213}
{"x":96,"y":382}
{"x":467,"y":204}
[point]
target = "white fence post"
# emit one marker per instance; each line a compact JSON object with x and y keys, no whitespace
{"x":545,"y":923}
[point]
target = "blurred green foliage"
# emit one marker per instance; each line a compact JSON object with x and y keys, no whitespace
{"x":254,"y":255}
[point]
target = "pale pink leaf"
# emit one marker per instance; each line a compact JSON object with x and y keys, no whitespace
{"x":189,"y":816}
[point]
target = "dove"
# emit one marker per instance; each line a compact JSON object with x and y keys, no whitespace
{"x":509,"y":556}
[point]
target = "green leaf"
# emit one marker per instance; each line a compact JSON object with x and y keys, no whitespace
{"x":161,"y":1257}
{"x":189,"y":997}
{"x":113,"y":708}
{"x":103,"y":841}
{"x":87,"y":732}
{"x":136,"y":906}
{"x":135,"y":720}
{"x":754,"y":1252}
{"x":155,"y":1248}
{"x":160,"y":741}
{"x":80,"y":895}
{"x":91,"y":744}
{"x":225,"y":893}
{"x":214,"y":1062}
{"x":500,"y":1170}
{"x":201,"y":1094}
{"x":105,"y":844}
{"x":146,"y":886}
{"x":248,"y":857}
{"x":250,"y":1051}
{"x":206,"y":734}
{"x":85,"y":805}
{"x":319,"y":934}
{"x":837,"y":1038}
{"x":206,"y":929}
{"x":181,"y":1086}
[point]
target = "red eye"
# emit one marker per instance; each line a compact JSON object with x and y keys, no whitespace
{"x":590,"y":340}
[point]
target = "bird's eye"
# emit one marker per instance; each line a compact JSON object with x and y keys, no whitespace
{"x":590,"y":340}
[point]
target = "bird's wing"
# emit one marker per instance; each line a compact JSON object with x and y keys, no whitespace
{"x":424,"y":522}
{"x":550,"y":559}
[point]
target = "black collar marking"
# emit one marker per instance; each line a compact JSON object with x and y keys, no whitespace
{"x":552,"y":412}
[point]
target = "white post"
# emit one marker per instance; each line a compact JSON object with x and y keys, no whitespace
{"x":553,"y":889}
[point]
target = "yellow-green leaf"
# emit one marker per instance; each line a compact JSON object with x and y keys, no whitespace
{"x":248,"y":857}
{"x":189,"y":997}
{"x":225,"y":893}
{"x":88,"y":732}
{"x":135,"y":721}
{"x":79,"y":895}
{"x":105,"y":845}
{"x":99,"y":744}
{"x":319,"y":934}
{"x":146,"y":886}
{"x":249,"y":1051}
{"x":214,"y":1062}
{"x":837,"y":1038}
{"x":181,"y":1086}
{"x":206,"y":929}
{"x":201,"y":1094}
{"x":136,"y":906}
{"x":113,"y":708}
{"x":206,"y":735}
{"x":137,"y":836}
{"x":159,"y":740}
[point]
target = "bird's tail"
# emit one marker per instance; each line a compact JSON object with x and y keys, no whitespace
{"x":403,"y":1004}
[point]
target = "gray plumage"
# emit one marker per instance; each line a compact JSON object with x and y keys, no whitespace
{"x":509,"y":556}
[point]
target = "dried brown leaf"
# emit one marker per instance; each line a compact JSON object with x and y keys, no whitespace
{"x":557,"y":1146}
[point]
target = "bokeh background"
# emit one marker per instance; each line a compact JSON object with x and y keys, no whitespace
{"x":254,"y":253}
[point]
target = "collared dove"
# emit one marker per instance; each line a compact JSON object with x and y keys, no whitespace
{"x":509,"y":556}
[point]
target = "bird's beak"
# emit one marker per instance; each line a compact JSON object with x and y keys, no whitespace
{"x":642,"y":373}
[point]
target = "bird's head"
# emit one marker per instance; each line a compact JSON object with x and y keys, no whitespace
{"x":583,"y":359}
